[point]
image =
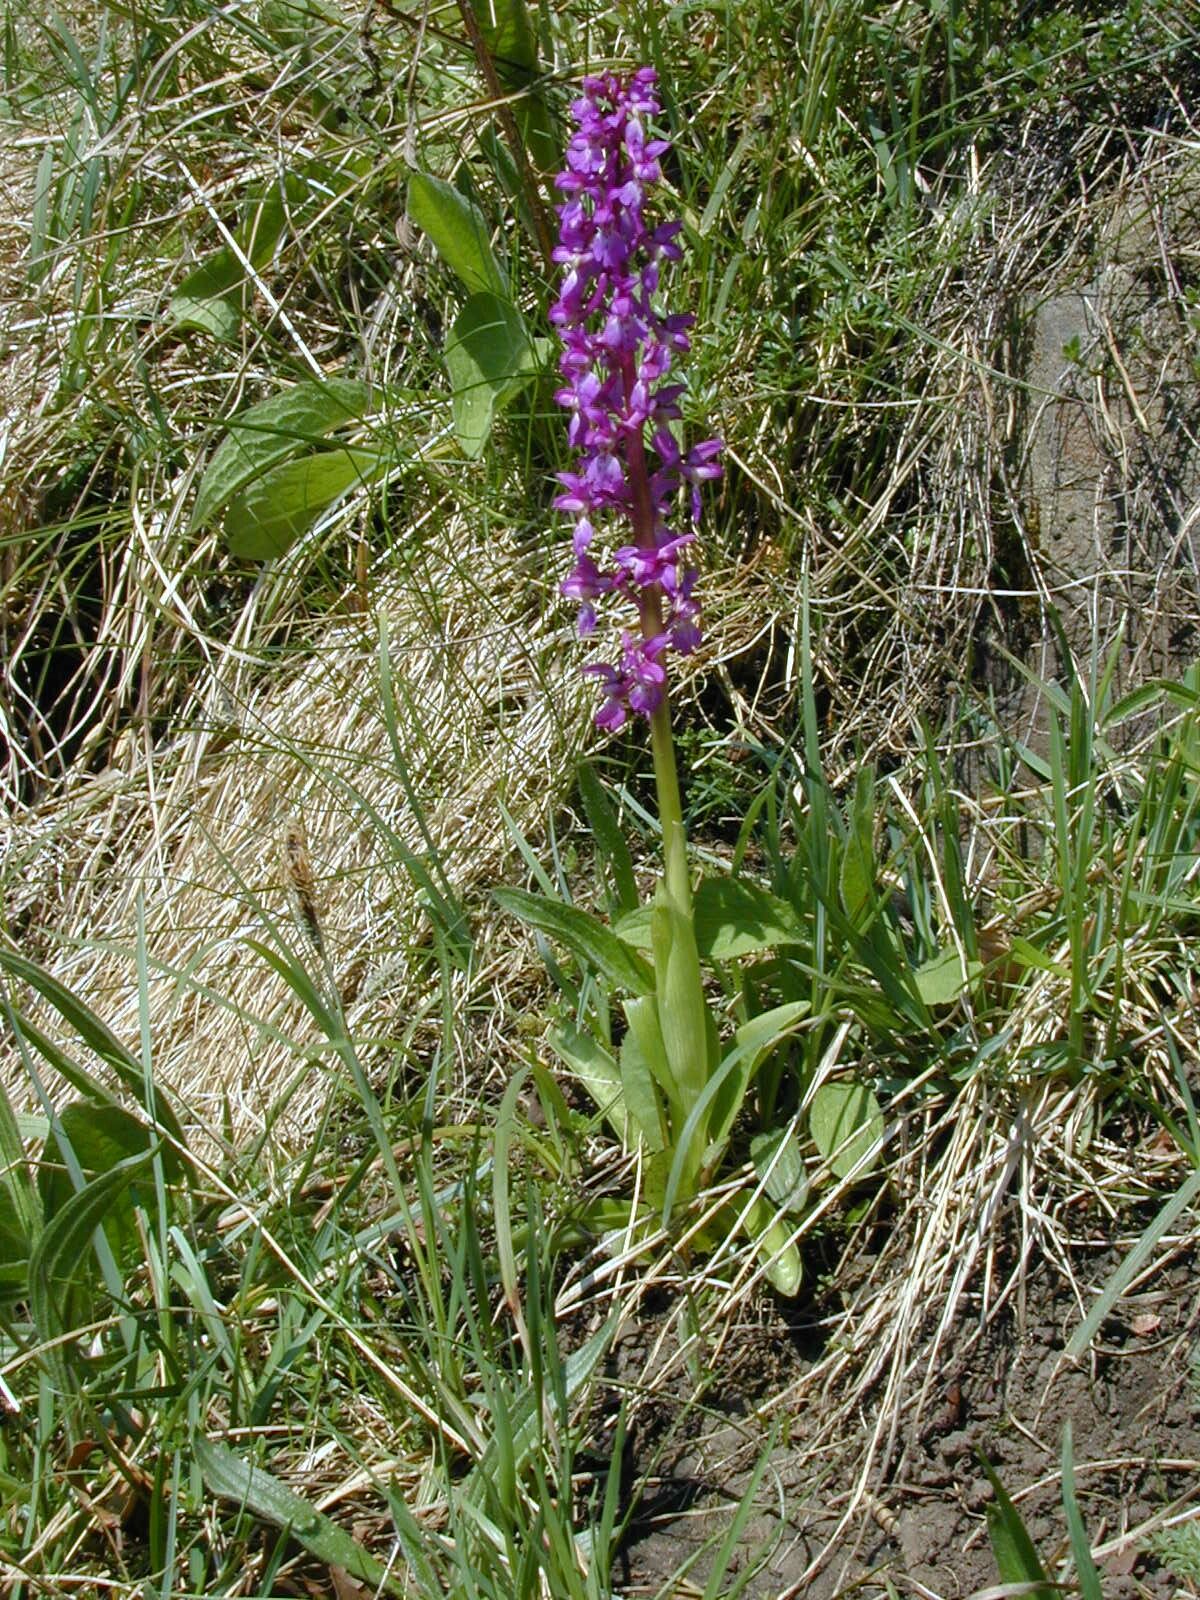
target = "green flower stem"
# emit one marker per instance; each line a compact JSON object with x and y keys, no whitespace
{"x":670,"y":810}
{"x":666,"y":774}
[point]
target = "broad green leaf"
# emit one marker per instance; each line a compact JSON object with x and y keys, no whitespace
{"x":501,"y":1208}
{"x":777,"y":1160}
{"x":641,"y":1096}
{"x":509,"y":35}
{"x":701,"y":1116}
{"x":490,"y":357}
{"x":14,"y":1250}
{"x":683,"y":1012}
{"x":271,"y":431}
{"x":774,"y":1247}
{"x":62,"y":1260}
{"x":1017,"y":1560}
{"x":642,"y":1016}
{"x":511,"y":40}
{"x":218,"y":316}
{"x":540,"y":131}
{"x":96,"y":1035}
{"x":588,"y":1061}
{"x":634,"y":928}
{"x":229,"y":1477}
{"x":733,"y":917}
{"x":643,"y":1069}
{"x":267,"y":518}
{"x":753,"y":1044}
{"x":100,"y":1136}
{"x":293,"y":23}
{"x":209,"y":297}
{"x":940,"y":980}
{"x":80,"y":1017}
{"x":592,"y":1218}
{"x":585,"y":936}
{"x":1026,"y":954}
{"x":845,"y":1121}
{"x":39,"y":256}
{"x":458,"y":231}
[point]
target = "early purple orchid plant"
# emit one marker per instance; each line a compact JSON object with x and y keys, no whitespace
{"x":635,"y":497}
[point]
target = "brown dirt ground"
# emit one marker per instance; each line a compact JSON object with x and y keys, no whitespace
{"x":919,"y":1526}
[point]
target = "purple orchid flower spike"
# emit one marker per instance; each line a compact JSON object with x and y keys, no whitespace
{"x":616,"y":362}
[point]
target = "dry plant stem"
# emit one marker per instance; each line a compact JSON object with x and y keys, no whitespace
{"x":512,"y":134}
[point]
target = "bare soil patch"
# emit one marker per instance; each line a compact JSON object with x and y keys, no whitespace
{"x":916,"y":1523}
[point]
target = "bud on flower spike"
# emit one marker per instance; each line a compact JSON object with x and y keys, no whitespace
{"x":617,"y":354}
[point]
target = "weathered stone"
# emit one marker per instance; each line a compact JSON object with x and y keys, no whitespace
{"x":1113,"y":434}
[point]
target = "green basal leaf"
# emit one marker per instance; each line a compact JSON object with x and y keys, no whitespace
{"x":540,"y":132}
{"x":490,"y":358}
{"x":941,"y":980}
{"x":294,"y":23}
{"x":1026,"y":954}
{"x":683,"y":1013}
{"x":97,"y":1035}
{"x":774,"y":1247}
{"x":759,"y":1221}
{"x":753,"y":1044}
{"x":267,"y":518}
{"x":62,"y":1261}
{"x":584,"y":935}
{"x":22,"y":1209}
{"x":586,"y":1059}
{"x":101,"y":1136}
{"x":845,"y":1121}
{"x":267,"y":433}
{"x":218,"y":316}
{"x":733,"y":917}
{"x":14,"y":1250}
{"x":230,"y":1478}
{"x":634,"y":928}
{"x":509,"y":35}
{"x":642,"y":1016}
{"x":592,"y":1219}
{"x":511,"y":40}
{"x":857,"y":876}
{"x":458,"y":232}
{"x":780,"y":1166}
{"x":641,"y":1092}
{"x":210,"y":296}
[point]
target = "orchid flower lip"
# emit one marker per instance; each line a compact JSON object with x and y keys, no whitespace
{"x":619,"y":349}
